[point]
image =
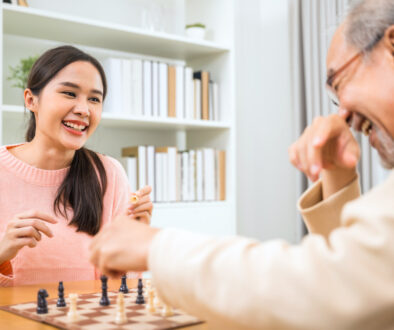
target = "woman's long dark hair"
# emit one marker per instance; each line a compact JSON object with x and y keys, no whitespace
{"x":82,"y":190}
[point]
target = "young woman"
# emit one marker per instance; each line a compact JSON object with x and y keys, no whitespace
{"x":55,"y":195}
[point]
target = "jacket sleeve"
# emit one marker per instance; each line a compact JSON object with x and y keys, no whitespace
{"x":323,"y":216}
{"x":320,"y":284}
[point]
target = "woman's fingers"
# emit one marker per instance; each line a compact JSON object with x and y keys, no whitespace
{"x":143,"y":207}
{"x":142,"y":217}
{"x":27,"y":232}
{"x":37,"y":215}
{"x":37,"y":224}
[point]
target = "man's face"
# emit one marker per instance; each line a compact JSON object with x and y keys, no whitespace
{"x":365,"y":88}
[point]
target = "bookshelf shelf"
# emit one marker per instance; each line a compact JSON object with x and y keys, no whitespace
{"x":43,"y":24}
{"x":113,"y":120}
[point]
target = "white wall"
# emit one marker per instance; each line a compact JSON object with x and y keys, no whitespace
{"x":266,"y":180}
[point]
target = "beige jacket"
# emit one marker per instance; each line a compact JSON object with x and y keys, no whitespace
{"x":340,"y":277}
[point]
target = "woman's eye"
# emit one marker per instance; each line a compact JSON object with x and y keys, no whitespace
{"x":69,"y":94}
{"x":95,"y":99}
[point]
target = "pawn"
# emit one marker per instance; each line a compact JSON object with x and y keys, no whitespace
{"x":150,"y":306}
{"x":72,"y":314}
{"x":104,"y":301}
{"x":140,"y":296}
{"x":123,"y":287}
{"x":157,"y":301}
{"x":60,"y":292}
{"x":42,"y":306}
{"x":120,"y":310}
{"x":167,"y":311}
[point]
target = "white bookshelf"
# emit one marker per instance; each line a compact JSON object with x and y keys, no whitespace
{"x":30,"y":31}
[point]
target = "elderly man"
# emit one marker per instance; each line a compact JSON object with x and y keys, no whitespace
{"x":342,"y":274}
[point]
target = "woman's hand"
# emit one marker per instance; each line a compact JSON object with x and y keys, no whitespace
{"x":122,"y":246}
{"x":24,"y":229}
{"x":142,"y":209}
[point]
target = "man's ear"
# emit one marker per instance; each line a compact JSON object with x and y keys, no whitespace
{"x":31,"y":100}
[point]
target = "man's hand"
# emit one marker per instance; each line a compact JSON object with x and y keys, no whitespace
{"x":142,"y":210}
{"x":24,"y":229}
{"x":122,"y":246}
{"x":327,"y":146}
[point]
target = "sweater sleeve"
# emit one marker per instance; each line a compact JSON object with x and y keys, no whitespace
{"x":322,"y":216}
{"x":6,"y":275}
{"x":241,"y":283}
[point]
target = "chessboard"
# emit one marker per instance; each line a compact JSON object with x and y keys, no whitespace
{"x":94,"y":316}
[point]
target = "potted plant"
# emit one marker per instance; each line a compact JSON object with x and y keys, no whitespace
{"x":20,"y":72}
{"x":195,"y":31}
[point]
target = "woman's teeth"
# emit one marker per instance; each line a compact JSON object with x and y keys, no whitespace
{"x":366,"y":127}
{"x":75,"y":126}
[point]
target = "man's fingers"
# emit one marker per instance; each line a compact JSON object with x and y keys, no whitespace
{"x":36,"y":214}
{"x":314,"y":161}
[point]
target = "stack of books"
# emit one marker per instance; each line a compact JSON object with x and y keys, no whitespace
{"x":155,"y":89}
{"x":175,"y":176}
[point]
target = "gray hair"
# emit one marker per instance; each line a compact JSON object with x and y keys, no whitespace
{"x":367,"y":21}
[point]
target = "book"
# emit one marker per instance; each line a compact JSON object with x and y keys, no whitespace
{"x":150,"y":165}
{"x":215,"y":102}
{"x":185,"y":176}
{"x":170,"y":172}
{"x":209,"y":174}
{"x":171,"y":91}
{"x":199,"y":175}
{"x":136,"y":87}
{"x":147,"y":88}
{"x":113,"y":72}
{"x":197,"y":99}
{"x":189,"y":93}
{"x":192,"y":175}
{"x":155,"y":89}
{"x":221,"y":175}
{"x":159,"y":177}
{"x":163,"y":90}
{"x":130,"y":167}
{"x":139,"y":152}
{"x":179,"y":92}
{"x":204,"y":77}
{"x":126,"y":87}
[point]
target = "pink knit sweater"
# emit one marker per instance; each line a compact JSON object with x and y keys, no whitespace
{"x":65,"y":256}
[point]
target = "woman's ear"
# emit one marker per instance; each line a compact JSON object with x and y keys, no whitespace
{"x":31,"y":100}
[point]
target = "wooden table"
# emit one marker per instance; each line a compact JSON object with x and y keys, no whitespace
{"x":21,"y":294}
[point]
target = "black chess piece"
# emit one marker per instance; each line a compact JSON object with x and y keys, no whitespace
{"x":123,"y":287}
{"x":104,"y":301}
{"x":60,"y":292}
{"x":42,"y":306}
{"x":140,"y":297}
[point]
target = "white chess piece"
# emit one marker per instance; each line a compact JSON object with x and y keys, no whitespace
{"x":167,"y":311}
{"x":156,"y":300}
{"x":150,"y":306}
{"x":120,"y":310}
{"x":72,"y":314}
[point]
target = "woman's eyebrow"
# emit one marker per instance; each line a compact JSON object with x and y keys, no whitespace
{"x":70,"y":84}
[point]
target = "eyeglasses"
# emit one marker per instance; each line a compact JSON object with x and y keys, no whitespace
{"x":331,"y":76}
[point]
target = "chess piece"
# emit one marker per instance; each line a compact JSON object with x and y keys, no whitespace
{"x":156,"y":300}
{"x":148,"y":284}
{"x":167,"y":311}
{"x":140,"y":297}
{"x":123,"y":287}
{"x":104,"y":301}
{"x":60,"y":292}
{"x":72,"y":314}
{"x":120,"y":310}
{"x":42,"y":306}
{"x":150,"y":306}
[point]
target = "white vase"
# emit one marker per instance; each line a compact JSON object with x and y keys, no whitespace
{"x":195,"y":32}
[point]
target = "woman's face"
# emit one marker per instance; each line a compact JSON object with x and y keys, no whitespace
{"x":69,"y":107}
